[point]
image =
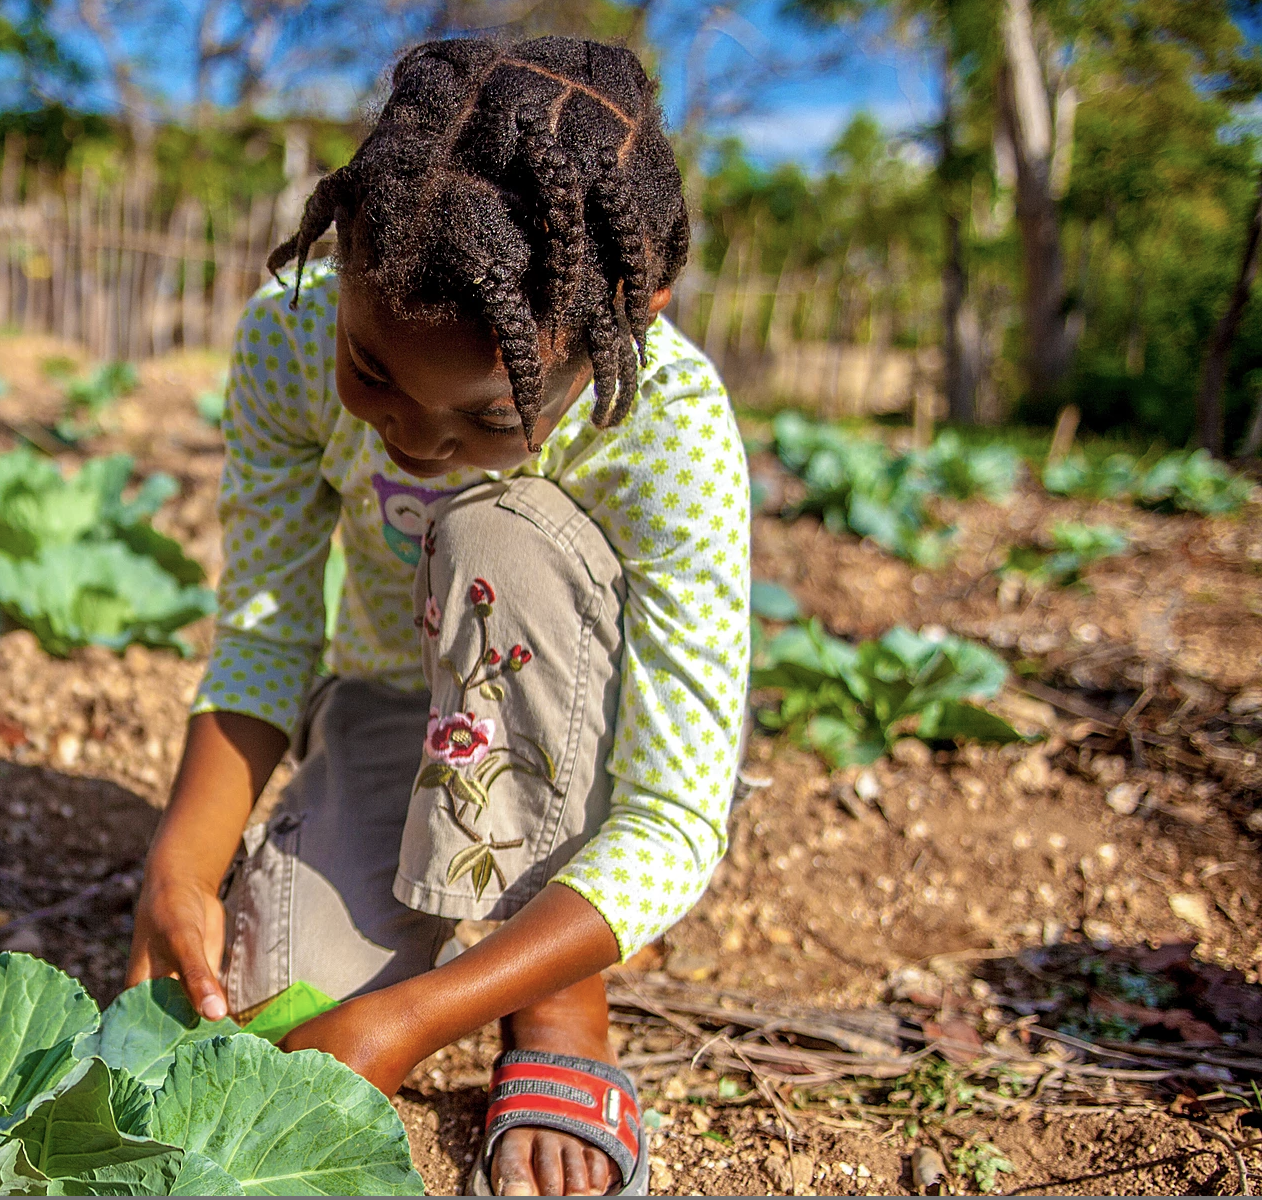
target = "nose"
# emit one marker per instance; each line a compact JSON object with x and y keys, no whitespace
{"x":425,"y":438}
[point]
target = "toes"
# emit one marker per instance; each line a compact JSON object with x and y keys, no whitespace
{"x":511,"y":1171}
{"x":541,"y":1162}
{"x":600,"y":1170}
{"x":574,"y":1160}
{"x":549,"y":1163}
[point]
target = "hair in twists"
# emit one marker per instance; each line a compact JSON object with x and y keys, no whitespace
{"x":530,"y":185}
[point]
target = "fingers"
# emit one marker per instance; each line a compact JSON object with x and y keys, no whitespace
{"x":139,"y":965}
{"x":199,"y":981}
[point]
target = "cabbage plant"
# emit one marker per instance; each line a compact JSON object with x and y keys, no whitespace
{"x":850,"y":703}
{"x":81,"y":565}
{"x":150,"y":1099}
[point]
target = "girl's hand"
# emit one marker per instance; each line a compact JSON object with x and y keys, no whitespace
{"x":180,"y":931}
{"x":370,"y":1034}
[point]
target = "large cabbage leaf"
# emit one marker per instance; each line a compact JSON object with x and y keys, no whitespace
{"x":70,"y":1133}
{"x":284,"y":1124}
{"x":141,"y":1030}
{"x":41,"y":1012}
{"x":233,"y":1115}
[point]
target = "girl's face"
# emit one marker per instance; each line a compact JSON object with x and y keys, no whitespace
{"x":437,"y":391}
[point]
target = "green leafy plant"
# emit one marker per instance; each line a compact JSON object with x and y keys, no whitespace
{"x":1181,"y":481}
{"x":772,"y":601}
{"x":211,"y":404}
{"x":1074,"y":547}
{"x":983,"y":1161}
{"x":1192,"y":482}
{"x":149,"y":1099}
{"x":859,"y":484}
{"x":89,"y":397}
{"x":1107,"y":479}
{"x":850,"y":703}
{"x":953,"y":468}
{"x":79,"y":564}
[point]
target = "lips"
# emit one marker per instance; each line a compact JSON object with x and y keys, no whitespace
{"x":421,"y":467}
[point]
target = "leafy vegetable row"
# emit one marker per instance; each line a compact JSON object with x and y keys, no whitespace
{"x":149,"y":1099}
{"x":858,"y":484}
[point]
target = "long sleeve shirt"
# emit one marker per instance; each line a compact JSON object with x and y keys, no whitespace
{"x":668,"y":488}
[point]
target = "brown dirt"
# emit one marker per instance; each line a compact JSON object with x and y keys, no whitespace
{"x":965,"y":861}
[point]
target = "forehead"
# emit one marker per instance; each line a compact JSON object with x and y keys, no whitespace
{"x":424,"y":347}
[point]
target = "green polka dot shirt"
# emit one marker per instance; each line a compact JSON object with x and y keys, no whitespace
{"x":669,"y":488}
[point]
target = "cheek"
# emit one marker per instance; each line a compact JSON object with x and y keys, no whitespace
{"x":363,"y":402}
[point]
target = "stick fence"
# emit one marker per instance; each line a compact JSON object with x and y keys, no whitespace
{"x":101,"y":264}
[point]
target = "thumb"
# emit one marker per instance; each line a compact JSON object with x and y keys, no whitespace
{"x":200,"y":984}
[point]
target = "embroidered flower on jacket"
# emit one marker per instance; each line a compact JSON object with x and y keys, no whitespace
{"x":433,"y":617}
{"x":481,"y":592}
{"x":458,"y":740}
{"x":518,"y":657}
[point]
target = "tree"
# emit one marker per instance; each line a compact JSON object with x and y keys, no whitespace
{"x":1040,"y":132}
{"x":958,"y":34}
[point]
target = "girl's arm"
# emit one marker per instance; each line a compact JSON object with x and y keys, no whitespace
{"x":554,"y":941}
{"x":228,"y":757}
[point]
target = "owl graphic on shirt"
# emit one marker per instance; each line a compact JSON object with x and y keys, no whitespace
{"x":403,"y":515}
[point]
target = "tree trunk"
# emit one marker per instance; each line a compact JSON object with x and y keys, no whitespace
{"x":960,"y":346}
{"x":1209,"y":400}
{"x":1028,"y":116}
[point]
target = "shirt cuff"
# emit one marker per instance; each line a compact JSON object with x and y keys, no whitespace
{"x":642,"y":872}
{"x":251,"y":675}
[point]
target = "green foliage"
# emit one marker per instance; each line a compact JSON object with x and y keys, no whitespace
{"x":983,"y":1162}
{"x":80,"y":565}
{"x":859,"y":484}
{"x":1107,"y":479}
{"x":1194,"y":482}
{"x":849,"y":703}
{"x":954,"y":468}
{"x":772,"y":601}
{"x":88,"y":398}
{"x":1187,"y":481}
{"x":149,"y":1099}
{"x":1074,"y":547}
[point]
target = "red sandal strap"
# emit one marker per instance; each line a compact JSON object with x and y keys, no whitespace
{"x":581,"y":1096}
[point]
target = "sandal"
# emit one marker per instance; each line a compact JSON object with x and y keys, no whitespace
{"x":590,"y":1099}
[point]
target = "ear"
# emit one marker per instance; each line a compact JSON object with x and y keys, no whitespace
{"x":661,"y":298}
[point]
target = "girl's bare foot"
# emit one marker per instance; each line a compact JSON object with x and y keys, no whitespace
{"x":543,"y":1162}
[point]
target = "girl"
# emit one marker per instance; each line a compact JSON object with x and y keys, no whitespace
{"x":482,"y":399}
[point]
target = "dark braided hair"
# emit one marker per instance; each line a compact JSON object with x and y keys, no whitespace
{"x":530,"y":185}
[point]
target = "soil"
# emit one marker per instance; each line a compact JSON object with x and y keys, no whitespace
{"x":993,"y":887}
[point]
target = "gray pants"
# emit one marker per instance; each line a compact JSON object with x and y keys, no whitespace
{"x":358,"y":878}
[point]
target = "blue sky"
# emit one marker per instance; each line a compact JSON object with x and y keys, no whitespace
{"x":798,"y":115}
{"x":795,"y":113}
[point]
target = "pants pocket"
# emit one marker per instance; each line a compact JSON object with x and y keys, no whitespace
{"x":258,"y":913}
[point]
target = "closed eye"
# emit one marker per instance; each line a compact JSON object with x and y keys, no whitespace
{"x":367,"y":380}
{"x":480,"y":422}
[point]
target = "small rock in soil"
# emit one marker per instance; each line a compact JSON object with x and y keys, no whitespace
{"x":1123,"y":798}
{"x":689,"y":968}
{"x":927,"y":1167}
{"x":1189,"y":907}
